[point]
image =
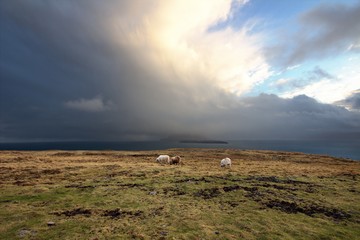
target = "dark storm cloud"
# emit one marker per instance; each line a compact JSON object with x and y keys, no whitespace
{"x":66,"y":75}
{"x":271,"y":117}
{"x":326,"y":30}
{"x":57,"y":57}
{"x":352,"y":102}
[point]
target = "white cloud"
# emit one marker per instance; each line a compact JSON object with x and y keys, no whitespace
{"x":173,"y":36}
{"x":293,"y":67}
{"x":332,"y":89}
{"x":89,"y":105}
{"x":281,"y":81}
{"x":326,"y":91}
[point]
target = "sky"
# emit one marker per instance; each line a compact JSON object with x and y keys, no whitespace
{"x":88,"y":70}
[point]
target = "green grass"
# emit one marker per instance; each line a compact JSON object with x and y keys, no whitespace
{"x":119,"y":195}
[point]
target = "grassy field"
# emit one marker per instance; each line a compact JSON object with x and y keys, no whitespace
{"x":127,"y":195}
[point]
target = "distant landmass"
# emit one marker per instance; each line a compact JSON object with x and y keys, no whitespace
{"x":204,"y":141}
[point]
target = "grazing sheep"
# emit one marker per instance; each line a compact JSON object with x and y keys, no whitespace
{"x":163,"y":159}
{"x":175,"y":160}
{"x":225,"y":162}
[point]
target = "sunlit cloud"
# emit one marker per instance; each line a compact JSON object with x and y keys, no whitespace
{"x":226,"y":58}
{"x":331,"y":88}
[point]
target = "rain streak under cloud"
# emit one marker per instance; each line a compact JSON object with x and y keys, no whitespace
{"x":137,"y":70}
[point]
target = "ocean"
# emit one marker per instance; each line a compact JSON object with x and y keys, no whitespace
{"x":343,"y":149}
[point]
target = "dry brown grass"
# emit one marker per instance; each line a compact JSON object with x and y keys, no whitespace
{"x":258,"y":198}
{"x":33,"y":167}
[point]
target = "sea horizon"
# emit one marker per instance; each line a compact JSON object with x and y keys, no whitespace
{"x":348,"y":149}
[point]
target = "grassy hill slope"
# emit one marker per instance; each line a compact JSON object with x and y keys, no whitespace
{"x":127,"y":195}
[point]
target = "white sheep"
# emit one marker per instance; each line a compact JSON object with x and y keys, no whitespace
{"x":225,"y":162}
{"x":163,"y":159}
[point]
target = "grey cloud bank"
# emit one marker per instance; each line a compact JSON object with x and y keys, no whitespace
{"x":65,"y":75}
{"x":322,"y":32}
{"x":352,"y":102}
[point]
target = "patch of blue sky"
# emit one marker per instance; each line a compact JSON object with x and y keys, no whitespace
{"x":272,"y":19}
{"x":267,"y":14}
{"x":264,"y":15}
{"x":300,"y":75}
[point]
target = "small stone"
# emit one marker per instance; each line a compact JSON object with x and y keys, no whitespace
{"x":153,"y":193}
{"x":217,"y":232}
{"x":25,"y":232}
{"x":50,"y":224}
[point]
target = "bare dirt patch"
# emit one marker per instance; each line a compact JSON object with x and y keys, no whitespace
{"x":74,"y":212}
{"x":231,"y":188}
{"x":173,"y":191}
{"x":208,"y":193}
{"x":192,"y":180}
{"x":275,"y":179}
{"x":51,"y":171}
{"x":308,"y":209}
{"x":118,"y":213}
{"x":130,"y":185}
{"x":80,"y":186}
